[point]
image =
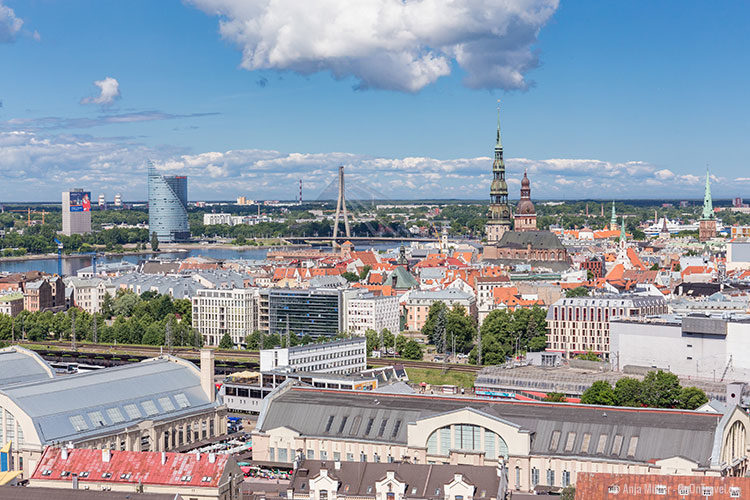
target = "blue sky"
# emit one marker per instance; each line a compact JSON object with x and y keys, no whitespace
{"x":600,"y":99}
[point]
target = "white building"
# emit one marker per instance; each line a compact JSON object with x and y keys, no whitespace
{"x":88,"y":294}
{"x":76,"y":212}
{"x":342,"y":357}
{"x":581,"y":324}
{"x":738,"y":254}
{"x":371,"y":312}
{"x":715,"y":347}
{"x":234,"y":220}
{"x":234,"y":311}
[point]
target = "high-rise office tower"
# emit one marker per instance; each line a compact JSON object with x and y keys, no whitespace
{"x":76,"y":212}
{"x":167,"y":206}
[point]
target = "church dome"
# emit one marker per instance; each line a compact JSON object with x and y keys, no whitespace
{"x":525,"y":207}
{"x":525,"y":182}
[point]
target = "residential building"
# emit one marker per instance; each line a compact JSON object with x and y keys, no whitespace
{"x":76,"y":212}
{"x":581,"y":324}
{"x":372,"y":312}
{"x":11,"y":303}
{"x":191,"y":475}
{"x":341,"y":356}
{"x":89,"y":294}
{"x":156,"y":405}
{"x":217,"y":312}
{"x":419,"y":302}
{"x":45,"y":294}
{"x":739,"y":232}
{"x":738,"y":254}
{"x":393,"y":481}
{"x":541,"y":444}
{"x":167,"y":206}
{"x":697,"y":345}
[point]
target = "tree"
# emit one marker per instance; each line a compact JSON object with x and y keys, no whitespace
{"x":691,"y":398}
{"x":226,"y":342}
{"x":655,"y":267}
{"x":252,"y":341}
{"x":306,"y":339}
{"x":364,"y":272}
{"x":628,"y":392}
{"x":555,"y":397}
{"x":350,"y":277}
{"x":460,"y":329}
{"x":125,"y":303}
{"x":436,"y":310}
{"x":373,"y":341}
{"x":568,"y":493}
{"x":600,"y":393}
{"x":661,"y":389}
{"x":401,"y":342}
{"x":154,"y":242}
{"x":107,"y":306}
{"x":578,"y":291}
{"x":412,"y":350}
{"x":588,"y":356}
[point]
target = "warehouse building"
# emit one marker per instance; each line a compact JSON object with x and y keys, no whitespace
{"x":156,"y":405}
{"x":541,"y":443}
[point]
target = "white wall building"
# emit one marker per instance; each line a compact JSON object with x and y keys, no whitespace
{"x":88,"y":294}
{"x":696,"y":345}
{"x":76,"y":212}
{"x":370,"y":312}
{"x":216,"y":312}
{"x":738,"y":255}
{"x":233,"y":220}
{"x":342,"y":357}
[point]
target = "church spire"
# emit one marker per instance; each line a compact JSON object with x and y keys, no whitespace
{"x":708,"y":206}
{"x":499,"y":219}
{"x":499,"y":142}
{"x":613,"y":219}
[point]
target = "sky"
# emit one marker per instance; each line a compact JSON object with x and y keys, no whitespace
{"x":599,"y":100}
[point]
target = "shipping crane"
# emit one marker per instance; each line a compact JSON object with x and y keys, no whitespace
{"x":59,"y":257}
{"x":93,"y":259}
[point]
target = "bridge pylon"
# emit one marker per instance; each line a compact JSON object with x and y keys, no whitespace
{"x":341,"y":207}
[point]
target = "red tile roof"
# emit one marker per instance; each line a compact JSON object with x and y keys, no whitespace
{"x":131,"y":467}
{"x":595,"y":486}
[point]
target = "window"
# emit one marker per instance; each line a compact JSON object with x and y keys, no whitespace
{"x":182,"y":400}
{"x":115,"y":415}
{"x":432,"y":444}
{"x":78,"y":423}
{"x":534,"y":476}
{"x":632,"y":446}
{"x":445,"y":440}
{"x":336,"y":456}
{"x":570,"y":441}
{"x":323,"y":455}
{"x":362,"y":456}
{"x":369,"y":426}
{"x":271,"y":454}
{"x":311,"y":454}
{"x":602,"y":443}
{"x":550,"y":477}
{"x":554,"y":440}
{"x":132,"y":411}
{"x":283,"y":455}
{"x":350,"y":457}
{"x":518,"y":477}
{"x":97,"y":419}
{"x":166,"y":404}
{"x":382,"y":427}
{"x":489,"y":444}
{"x":149,"y":407}
{"x":617,"y":444}
{"x":565,"y":478}
{"x":343,"y":424}
{"x":323,"y":494}
{"x":355,"y":425}
{"x":329,"y":424}
{"x":396,"y":428}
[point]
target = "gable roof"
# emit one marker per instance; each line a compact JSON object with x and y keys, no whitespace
{"x":544,"y":240}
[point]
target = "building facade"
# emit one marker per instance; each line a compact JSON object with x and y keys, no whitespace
{"x":217,"y":312}
{"x":76,"y":212}
{"x":167,"y":206}
{"x":581,"y":324}
{"x":318,"y":312}
{"x":341,"y":357}
{"x":89,"y":294}
{"x":11,"y":303}
{"x":419,"y":302}
{"x":372,"y":312}
{"x":45,"y":294}
{"x":541,"y":444}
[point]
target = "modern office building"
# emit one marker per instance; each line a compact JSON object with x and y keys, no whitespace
{"x":318,"y":312}
{"x":167,"y":206}
{"x":541,"y":444}
{"x":581,"y":324}
{"x":342,"y":357}
{"x":372,"y":312}
{"x":217,"y":312}
{"x":76,"y":212}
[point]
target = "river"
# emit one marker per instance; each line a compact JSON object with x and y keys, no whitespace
{"x":71,"y":265}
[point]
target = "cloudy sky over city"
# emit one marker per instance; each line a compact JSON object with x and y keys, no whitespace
{"x":599,"y":99}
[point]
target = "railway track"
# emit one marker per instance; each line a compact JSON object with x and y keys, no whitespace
{"x":125,"y":350}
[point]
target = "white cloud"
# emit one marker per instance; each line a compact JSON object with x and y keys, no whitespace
{"x":388,"y":44}
{"x":109,"y":92}
{"x":10,"y":25}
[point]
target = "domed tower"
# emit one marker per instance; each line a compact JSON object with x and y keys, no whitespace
{"x":499,"y":219}
{"x":525,"y":218}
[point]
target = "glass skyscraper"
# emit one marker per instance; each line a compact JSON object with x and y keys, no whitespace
{"x":167,"y":206}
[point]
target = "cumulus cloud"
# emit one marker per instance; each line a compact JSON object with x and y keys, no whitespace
{"x":109,"y":92}
{"x":388,"y":44}
{"x":35,"y":164}
{"x":10,"y":25}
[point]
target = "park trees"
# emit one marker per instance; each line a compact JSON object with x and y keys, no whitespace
{"x":505,"y":332}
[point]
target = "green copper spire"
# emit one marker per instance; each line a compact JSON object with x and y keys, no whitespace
{"x":499,"y":143}
{"x":708,"y":206}
{"x":613,"y":220}
{"x":622,"y":229}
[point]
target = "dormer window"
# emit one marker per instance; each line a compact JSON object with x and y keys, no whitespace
{"x":323,"y":494}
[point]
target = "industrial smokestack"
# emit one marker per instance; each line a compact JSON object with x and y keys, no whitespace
{"x":207,"y":374}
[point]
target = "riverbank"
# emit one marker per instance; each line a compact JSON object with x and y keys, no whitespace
{"x":44,"y":256}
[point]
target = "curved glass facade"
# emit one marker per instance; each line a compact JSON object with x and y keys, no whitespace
{"x":466,"y":438}
{"x":167,"y":206}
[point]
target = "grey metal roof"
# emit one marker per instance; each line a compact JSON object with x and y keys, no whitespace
{"x":19,"y":365}
{"x":537,"y":239}
{"x":77,"y":407}
{"x":661,"y":433}
{"x":446,"y":294}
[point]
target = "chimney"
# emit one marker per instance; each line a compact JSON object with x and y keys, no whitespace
{"x":212,"y":458}
{"x":457,"y":477}
{"x":198,"y":457}
{"x":75,"y":481}
{"x":207,"y":374}
{"x":337,"y":465}
{"x":64,"y":453}
{"x":106,"y":455}
{"x":289,"y":494}
{"x":163,"y":457}
{"x":394,"y":278}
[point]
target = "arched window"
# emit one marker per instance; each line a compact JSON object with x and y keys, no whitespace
{"x":466,"y":437}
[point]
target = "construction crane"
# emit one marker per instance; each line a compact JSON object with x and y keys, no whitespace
{"x":28,"y":214}
{"x":59,"y":257}
{"x":93,"y":260}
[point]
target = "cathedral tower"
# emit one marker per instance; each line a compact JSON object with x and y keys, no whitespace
{"x":525,"y":217}
{"x":499,"y":219}
{"x":707,"y":223}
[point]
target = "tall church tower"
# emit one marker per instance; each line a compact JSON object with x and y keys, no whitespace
{"x":525,"y":217}
{"x":499,"y":220}
{"x":707,"y":223}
